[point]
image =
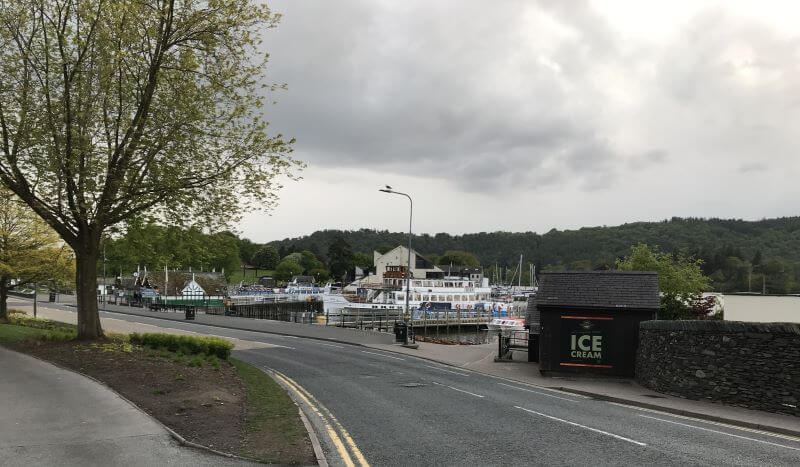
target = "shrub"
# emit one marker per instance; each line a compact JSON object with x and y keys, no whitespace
{"x":38,"y":323}
{"x":220,"y":348}
{"x":59,"y":335}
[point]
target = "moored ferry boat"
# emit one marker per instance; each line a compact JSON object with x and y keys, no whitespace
{"x":425,"y":295}
{"x":506,"y":324}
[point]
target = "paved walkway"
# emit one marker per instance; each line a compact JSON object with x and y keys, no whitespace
{"x":52,"y":416}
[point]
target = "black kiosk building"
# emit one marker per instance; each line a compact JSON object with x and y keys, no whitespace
{"x":590,"y":320}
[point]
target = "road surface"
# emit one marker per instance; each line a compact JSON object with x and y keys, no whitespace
{"x":390,"y":409}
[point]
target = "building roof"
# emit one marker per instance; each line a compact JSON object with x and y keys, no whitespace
{"x":420,"y":262}
{"x":213,"y":283}
{"x":302,"y":279}
{"x":599,"y":289}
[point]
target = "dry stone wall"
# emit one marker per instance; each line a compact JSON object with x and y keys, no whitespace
{"x":753,"y":365}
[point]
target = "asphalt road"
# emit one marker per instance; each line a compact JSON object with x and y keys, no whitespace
{"x":400,"y":410}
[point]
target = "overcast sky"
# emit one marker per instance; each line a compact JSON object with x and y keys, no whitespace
{"x":527,"y":116}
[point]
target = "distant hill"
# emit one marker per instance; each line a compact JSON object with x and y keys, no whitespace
{"x":736,"y":252}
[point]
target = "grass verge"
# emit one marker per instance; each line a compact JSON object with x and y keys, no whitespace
{"x":272,"y":420}
{"x":12,"y":333}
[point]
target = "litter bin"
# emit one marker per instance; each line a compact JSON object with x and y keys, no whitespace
{"x":400,"y":332}
{"x":52,"y":297}
{"x":190,"y":312}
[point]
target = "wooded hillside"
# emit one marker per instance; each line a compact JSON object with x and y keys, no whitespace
{"x":736,"y":253}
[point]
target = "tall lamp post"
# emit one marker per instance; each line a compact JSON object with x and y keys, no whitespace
{"x":406,"y":315}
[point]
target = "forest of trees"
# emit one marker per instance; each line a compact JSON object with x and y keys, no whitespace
{"x":738,"y":255}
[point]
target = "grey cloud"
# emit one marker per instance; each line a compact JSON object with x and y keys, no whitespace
{"x":450,"y":88}
{"x":457,"y":91}
{"x":648,"y":159}
{"x":752,"y":167}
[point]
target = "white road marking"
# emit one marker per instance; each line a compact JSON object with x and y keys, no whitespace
{"x":447,"y":371}
{"x":543,"y":388}
{"x":331,"y":345}
{"x":638,"y":443}
{"x":721,"y":432}
{"x":459,"y":390}
{"x":382,"y":355}
{"x":537,"y":392}
{"x":710,"y":422}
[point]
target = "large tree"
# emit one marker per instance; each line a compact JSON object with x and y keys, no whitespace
{"x":265,"y":258}
{"x":680,"y":279}
{"x":340,"y":258}
{"x":117,"y":108}
{"x":30,"y":251}
{"x":459,"y":258}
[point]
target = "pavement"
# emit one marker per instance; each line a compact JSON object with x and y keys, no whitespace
{"x":52,"y":416}
{"x":453,"y":405}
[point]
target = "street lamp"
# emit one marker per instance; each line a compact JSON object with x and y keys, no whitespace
{"x":406,"y":315}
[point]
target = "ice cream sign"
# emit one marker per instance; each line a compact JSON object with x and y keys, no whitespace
{"x":587,"y":346}
{"x":585,"y":340}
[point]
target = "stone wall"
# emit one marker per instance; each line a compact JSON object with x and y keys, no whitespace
{"x":753,"y":365}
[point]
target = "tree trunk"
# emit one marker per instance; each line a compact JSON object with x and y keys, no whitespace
{"x":3,"y":301}
{"x":86,"y":291}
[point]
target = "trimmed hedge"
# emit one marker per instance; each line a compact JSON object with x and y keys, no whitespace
{"x":186,"y":344}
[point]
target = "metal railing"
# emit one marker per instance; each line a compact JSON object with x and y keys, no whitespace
{"x":508,"y":342}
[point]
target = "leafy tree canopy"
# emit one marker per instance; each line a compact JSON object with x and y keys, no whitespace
{"x":680,"y":280}
{"x":29,"y":250}
{"x":460,"y":258}
{"x":309,"y":262}
{"x":286,"y":269}
{"x":156,"y":246}
{"x":677,"y":275}
{"x":362,"y":260}
{"x":152,"y":108}
{"x":340,"y":257}
{"x":738,"y":255}
{"x":265,"y":258}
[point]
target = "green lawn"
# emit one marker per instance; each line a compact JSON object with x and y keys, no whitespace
{"x":272,"y":419}
{"x":250,"y":276}
{"x":11,"y":333}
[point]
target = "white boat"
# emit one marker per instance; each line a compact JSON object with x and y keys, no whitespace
{"x":506,"y":324}
{"x":333,"y":303}
{"x":447,"y":294}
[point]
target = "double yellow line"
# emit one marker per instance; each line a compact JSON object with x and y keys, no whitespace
{"x":332,"y":425}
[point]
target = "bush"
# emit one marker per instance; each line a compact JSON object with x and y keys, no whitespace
{"x":38,"y":323}
{"x":186,"y":344}
{"x":59,"y":335}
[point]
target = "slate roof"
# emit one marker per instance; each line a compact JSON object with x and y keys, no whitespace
{"x":599,"y":289}
{"x":212,"y":282}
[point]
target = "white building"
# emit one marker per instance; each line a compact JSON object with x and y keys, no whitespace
{"x":762,"y":308}
{"x":394,"y":263}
